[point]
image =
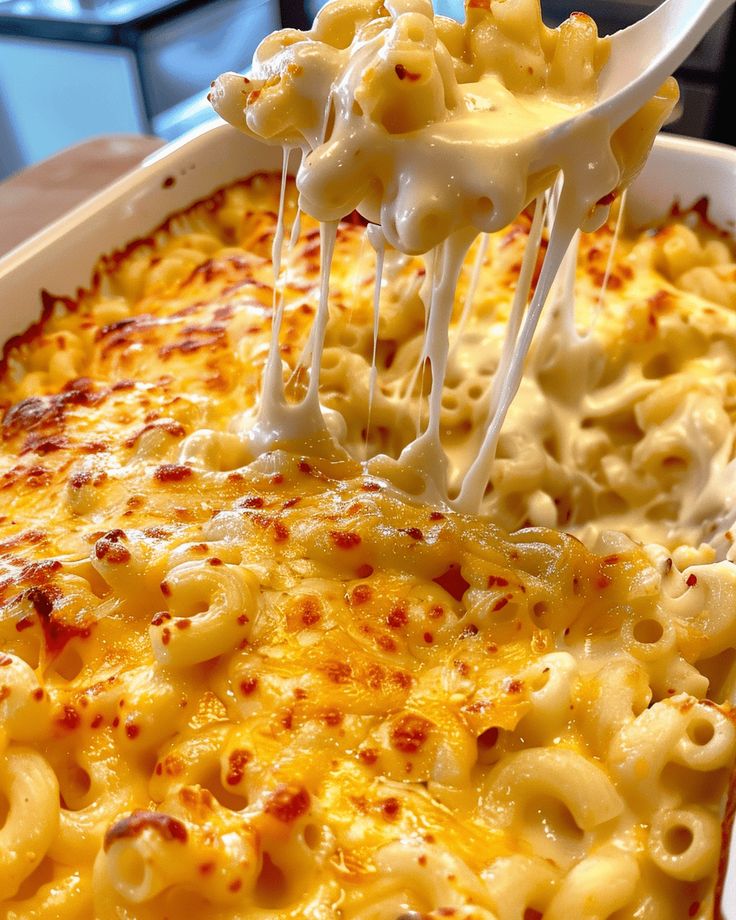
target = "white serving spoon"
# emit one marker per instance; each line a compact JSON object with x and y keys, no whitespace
{"x":647,"y":52}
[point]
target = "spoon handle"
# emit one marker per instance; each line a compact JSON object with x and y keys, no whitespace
{"x":663,"y":40}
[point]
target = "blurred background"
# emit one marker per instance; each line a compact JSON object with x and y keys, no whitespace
{"x":75,"y":69}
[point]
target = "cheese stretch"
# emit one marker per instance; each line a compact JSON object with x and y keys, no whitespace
{"x":435,"y":131}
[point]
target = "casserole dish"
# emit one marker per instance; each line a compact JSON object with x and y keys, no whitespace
{"x":61,"y":258}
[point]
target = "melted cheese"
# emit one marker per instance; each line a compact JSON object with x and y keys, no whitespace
{"x":276,"y":686}
{"x":433,"y":131}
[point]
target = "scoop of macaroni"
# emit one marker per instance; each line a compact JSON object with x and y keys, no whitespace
{"x":275,"y":685}
{"x":433,"y":131}
{"x":428,"y":126}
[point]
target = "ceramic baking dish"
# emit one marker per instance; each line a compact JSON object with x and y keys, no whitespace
{"x":60,"y":258}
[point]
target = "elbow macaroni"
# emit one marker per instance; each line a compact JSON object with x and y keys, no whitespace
{"x":276,"y":684}
{"x":278,"y":677}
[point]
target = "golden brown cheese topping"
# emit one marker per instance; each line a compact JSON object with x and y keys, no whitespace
{"x":280,"y":687}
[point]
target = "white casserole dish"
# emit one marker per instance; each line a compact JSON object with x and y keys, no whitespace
{"x":60,"y":258}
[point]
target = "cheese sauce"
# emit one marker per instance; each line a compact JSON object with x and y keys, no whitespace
{"x":436,"y":131}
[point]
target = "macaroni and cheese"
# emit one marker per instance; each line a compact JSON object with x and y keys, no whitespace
{"x":279,"y":687}
{"x":435,"y":130}
{"x":256,"y":657}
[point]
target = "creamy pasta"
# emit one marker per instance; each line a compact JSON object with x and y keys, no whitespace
{"x":256,"y":657}
{"x":435,"y":130}
{"x":279,"y":687}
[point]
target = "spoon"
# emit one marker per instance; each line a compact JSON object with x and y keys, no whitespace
{"x":663,"y":40}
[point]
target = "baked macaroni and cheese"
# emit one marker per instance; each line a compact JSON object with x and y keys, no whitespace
{"x":255,"y":664}
{"x":435,"y":130}
{"x":280,"y":687}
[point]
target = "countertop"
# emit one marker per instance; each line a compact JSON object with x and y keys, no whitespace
{"x":34,"y":197}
